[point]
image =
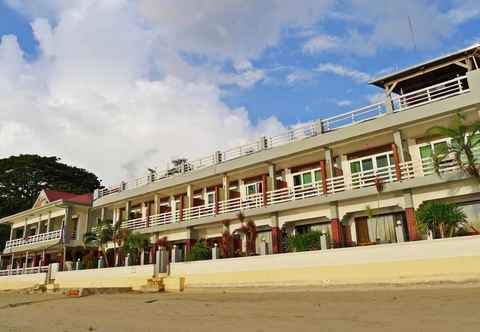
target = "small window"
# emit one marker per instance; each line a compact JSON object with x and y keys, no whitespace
{"x":307,"y":178}
{"x":355,"y":167}
{"x":210,"y":197}
{"x":440,"y":147}
{"x":317,"y":176}
{"x":382,"y":161}
{"x":426,"y":151}
{"x":367,"y":164}
{"x":252,"y":189}
{"x":297,"y":180}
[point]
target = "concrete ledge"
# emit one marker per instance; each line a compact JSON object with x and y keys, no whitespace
{"x":115,"y":277}
{"x":22,"y":281}
{"x":174,"y":284}
{"x":456,"y":259}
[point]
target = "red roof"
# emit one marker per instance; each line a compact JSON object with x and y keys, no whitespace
{"x":53,"y":195}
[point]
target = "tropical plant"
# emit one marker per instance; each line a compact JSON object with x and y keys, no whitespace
{"x":99,"y":237}
{"x":133,"y":244}
{"x":464,"y":139}
{"x":199,"y":252}
{"x":226,"y":245}
{"x":443,"y":219}
{"x":118,"y":236}
{"x":250,"y":230}
{"x":305,"y":241}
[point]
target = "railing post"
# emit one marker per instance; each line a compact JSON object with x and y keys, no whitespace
{"x":216,"y":198}
{"x":264,"y":189}
{"x":323,"y":172}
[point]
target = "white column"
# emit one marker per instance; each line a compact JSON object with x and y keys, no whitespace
{"x":288,"y":177}
{"x":347,"y":173}
{"x":189,"y":196}
{"x":156,"y":206}
{"x":39,"y":224}
{"x":241,"y":188}
{"x":25,"y":228}
{"x":128,"y":208}
{"x":397,"y":139}
{"x":11,"y":232}
{"x":272,"y":176}
{"x":226,"y":187}
{"x":48,"y":221}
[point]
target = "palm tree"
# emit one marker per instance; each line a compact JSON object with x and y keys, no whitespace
{"x":118,"y":236}
{"x":99,"y":238}
{"x":134,"y":243}
{"x":464,"y":140}
{"x":441,"y":218}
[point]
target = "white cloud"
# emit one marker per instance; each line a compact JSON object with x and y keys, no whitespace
{"x":376,"y":98}
{"x":340,"y":70}
{"x":297,"y":76}
{"x":113,"y":93}
{"x":320,"y":43}
{"x":343,"y":103}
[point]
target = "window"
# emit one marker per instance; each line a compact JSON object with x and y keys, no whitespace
{"x":371,"y":162}
{"x":253,"y":188}
{"x":307,"y":177}
{"x":428,"y":149}
{"x":210,"y":198}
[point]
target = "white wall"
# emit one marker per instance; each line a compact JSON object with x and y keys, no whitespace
{"x":22,"y":281}
{"x":130,"y":276}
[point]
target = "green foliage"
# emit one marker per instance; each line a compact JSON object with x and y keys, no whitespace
{"x":133,"y":244}
{"x":23,"y":177}
{"x":304,"y":242}
{"x":199,"y":252}
{"x":4,"y":235}
{"x":99,"y":238}
{"x":465,"y":139}
{"x":442,"y":219}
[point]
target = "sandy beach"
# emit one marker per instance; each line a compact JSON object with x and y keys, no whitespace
{"x":415,"y":308}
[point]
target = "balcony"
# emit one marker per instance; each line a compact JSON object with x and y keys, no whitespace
{"x":383,"y":175}
{"x":35,"y":239}
{"x":399,"y":103}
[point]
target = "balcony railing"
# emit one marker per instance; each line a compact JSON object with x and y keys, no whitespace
{"x":34,"y":239}
{"x":297,"y":133}
{"x":21,"y":270}
{"x":388,"y":174}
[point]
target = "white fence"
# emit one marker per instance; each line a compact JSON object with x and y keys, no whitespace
{"x":34,"y":239}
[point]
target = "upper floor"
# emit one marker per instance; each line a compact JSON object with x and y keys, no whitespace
{"x":56,"y":217}
{"x":332,"y":158}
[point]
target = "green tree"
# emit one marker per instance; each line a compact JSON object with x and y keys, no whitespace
{"x":199,"y":252}
{"x":464,"y":146}
{"x":99,"y":238}
{"x":442,"y":219}
{"x":133,"y":244}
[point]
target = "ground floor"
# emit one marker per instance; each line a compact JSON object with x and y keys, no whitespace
{"x":409,"y":308}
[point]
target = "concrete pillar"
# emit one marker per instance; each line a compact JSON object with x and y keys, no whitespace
{"x":410,"y":215}
{"x":102,"y":214}
{"x":216,"y":200}
{"x":142,"y":257}
{"x":25,"y":228}
{"x":397,"y":139}
{"x":329,"y":162}
{"x":11,"y":232}
{"x":323,"y":173}
{"x":264,"y":189}
{"x":399,"y":231}
{"x":288,"y":177}
{"x":396,"y":159}
{"x":161,"y":262}
{"x":39,"y":224}
{"x":324,"y":242}
{"x":100,"y":262}
{"x":156,"y":204}
{"x":48,"y":221}
{"x":388,"y":101}
{"x":226,"y":187}
{"x":189,"y":203}
{"x":241,"y":187}
{"x":182,"y":207}
{"x":335,"y":224}
{"x":127,"y":260}
{"x":272,"y":177}
{"x":347,"y":172}
{"x":276,"y":235}
{"x":128,"y":209}
{"x":215,"y":252}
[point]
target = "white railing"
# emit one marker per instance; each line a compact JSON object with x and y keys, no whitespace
{"x":433,"y":93}
{"x":34,"y":239}
{"x":136,"y":223}
{"x":388,"y":174}
{"x":21,"y":270}
{"x":362,"y":114}
{"x":399,"y":103}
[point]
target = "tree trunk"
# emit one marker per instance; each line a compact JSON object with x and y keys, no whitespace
{"x":442,"y":230}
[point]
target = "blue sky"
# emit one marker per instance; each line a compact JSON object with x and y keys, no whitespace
{"x":119,"y":86}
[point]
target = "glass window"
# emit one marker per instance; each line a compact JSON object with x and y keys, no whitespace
{"x":355,"y":167}
{"x":252,"y":189}
{"x":425,"y":151}
{"x":210,"y":198}
{"x":307,"y":178}
{"x":367,"y":164}
{"x":317,"y":176}
{"x":382,"y":161}
{"x":297,"y":180}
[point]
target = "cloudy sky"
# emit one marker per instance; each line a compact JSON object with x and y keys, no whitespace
{"x":117,"y":86}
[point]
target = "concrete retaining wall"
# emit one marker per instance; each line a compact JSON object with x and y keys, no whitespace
{"x":22,"y":281}
{"x":130,"y":276}
{"x":456,"y":259}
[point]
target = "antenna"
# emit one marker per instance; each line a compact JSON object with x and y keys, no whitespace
{"x":412,"y":32}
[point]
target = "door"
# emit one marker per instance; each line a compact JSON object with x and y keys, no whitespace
{"x":361,"y":224}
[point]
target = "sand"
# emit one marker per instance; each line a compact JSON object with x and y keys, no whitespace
{"x":414,"y":308}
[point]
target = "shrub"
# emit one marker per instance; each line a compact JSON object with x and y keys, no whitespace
{"x":199,"y":252}
{"x":441,"y":218}
{"x":304,"y":242}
